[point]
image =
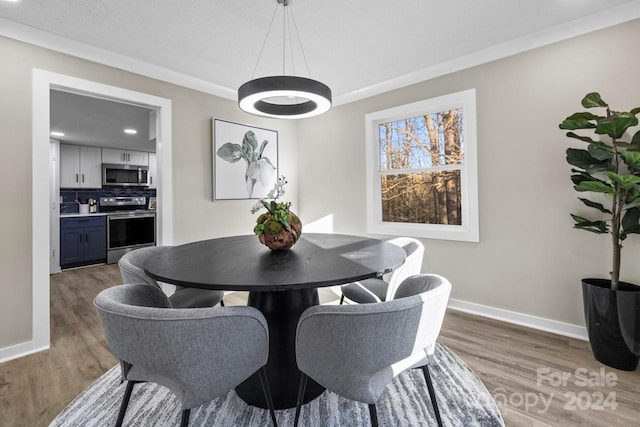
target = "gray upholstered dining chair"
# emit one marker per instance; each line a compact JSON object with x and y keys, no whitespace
{"x":180,"y":348}
{"x":131,"y":268}
{"x":357,"y":350}
{"x":378,"y":290}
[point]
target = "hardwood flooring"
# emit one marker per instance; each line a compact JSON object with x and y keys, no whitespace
{"x":518,"y":365}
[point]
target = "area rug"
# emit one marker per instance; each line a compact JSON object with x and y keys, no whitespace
{"x":462,"y":398}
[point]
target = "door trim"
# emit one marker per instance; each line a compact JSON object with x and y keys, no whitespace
{"x":43,"y":82}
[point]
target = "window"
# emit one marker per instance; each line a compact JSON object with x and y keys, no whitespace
{"x":421,"y":161}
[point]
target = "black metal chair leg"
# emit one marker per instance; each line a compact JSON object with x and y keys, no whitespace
{"x":125,"y":402}
{"x":432,"y":394}
{"x":264,"y":382}
{"x":221,"y":303}
{"x":301,"y":389}
{"x":341,"y":299}
{"x":374,"y":415}
{"x":186,"y":413}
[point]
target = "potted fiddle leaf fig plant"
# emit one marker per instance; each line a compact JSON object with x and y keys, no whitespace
{"x":608,"y":169}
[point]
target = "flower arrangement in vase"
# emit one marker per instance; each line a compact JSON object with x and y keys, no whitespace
{"x":278,"y":228}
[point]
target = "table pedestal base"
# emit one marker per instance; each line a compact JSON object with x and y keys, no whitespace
{"x":282,"y":309}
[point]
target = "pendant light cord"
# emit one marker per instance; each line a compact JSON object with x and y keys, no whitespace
{"x":284,"y":38}
{"x":264,"y":43}
{"x":304,"y":57}
{"x":286,"y":23}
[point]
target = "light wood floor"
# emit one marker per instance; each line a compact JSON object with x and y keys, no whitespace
{"x":509,"y":359}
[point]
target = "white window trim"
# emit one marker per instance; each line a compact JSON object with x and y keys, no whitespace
{"x":469,"y":230}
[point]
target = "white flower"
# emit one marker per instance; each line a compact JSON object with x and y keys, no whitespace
{"x":256,"y":207}
{"x":274,"y":194}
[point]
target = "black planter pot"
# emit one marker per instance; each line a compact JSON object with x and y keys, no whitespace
{"x":603,"y":326}
{"x":629,"y":316}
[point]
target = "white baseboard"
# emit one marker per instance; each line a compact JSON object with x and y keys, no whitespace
{"x":20,"y":350}
{"x":534,"y":322}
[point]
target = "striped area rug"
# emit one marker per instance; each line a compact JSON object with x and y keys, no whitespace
{"x":463,"y":401}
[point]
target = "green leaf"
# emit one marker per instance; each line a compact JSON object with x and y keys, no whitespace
{"x":579,"y":121}
{"x":230,"y":152}
{"x":625,"y":181}
{"x":593,"y":99}
{"x":616,"y":127}
{"x":622,"y":114}
{"x":631,"y":221}
{"x":600,"y":151}
{"x":584,"y":160}
{"x":595,"y":186}
{"x":581,"y":138}
{"x":631,"y":159}
{"x":580,"y":176}
{"x":598,"y":227}
{"x":636,"y":138}
{"x":595,"y":205}
{"x":633,"y":195}
{"x":258,"y":229}
{"x":635,"y":111}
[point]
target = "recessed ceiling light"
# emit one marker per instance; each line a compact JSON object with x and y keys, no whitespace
{"x":13,"y":1}
{"x":57,"y":133}
{"x":131,"y":131}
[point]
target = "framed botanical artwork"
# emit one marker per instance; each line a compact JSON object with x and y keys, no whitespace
{"x":245,"y":161}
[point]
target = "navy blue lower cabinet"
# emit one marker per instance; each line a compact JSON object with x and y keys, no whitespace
{"x":83,"y":241}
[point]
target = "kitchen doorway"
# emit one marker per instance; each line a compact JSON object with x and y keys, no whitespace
{"x":42,"y":203}
{"x":85,"y":129}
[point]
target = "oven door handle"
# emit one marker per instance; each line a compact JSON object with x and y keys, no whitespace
{"x":129,"y":216}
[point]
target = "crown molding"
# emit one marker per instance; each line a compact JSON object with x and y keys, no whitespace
{"x":60,"y":44}
{"x":587,"y":24}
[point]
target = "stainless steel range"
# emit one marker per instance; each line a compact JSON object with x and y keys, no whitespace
{"x":129,"y":225}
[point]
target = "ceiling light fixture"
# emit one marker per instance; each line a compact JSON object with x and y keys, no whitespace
{"x":55,"y":133}
{"x":284,"y":97}
{"x":131,"y":131}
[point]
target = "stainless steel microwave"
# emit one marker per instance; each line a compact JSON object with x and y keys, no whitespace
{"x":125,"y":175}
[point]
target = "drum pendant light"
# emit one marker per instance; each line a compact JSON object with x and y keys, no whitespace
{"x":284,"y":97}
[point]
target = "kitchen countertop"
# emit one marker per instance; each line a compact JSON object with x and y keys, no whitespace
{"x":77,"y":215}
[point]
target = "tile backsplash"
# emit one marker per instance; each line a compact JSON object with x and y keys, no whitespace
{"x":68,"y":196}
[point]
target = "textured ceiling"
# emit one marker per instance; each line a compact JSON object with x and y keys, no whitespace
{"x":350,"y":45}
{"x":357,"y":47}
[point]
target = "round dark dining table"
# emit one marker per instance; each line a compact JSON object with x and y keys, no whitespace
{"x":281,"y":284}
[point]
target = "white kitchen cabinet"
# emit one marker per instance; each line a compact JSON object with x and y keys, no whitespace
{"x":125,"y":157}
{"x":80,"y":166}
{"x":153,"y":170}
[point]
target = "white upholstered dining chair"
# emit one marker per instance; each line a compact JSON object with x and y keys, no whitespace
{"x":357,"y":350}
{"x":378,"y":290}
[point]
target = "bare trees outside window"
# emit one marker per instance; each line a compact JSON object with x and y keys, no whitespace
{"x":422,"y":160}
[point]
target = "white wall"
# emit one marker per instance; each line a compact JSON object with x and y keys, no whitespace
{"x":529,"y":260}
{"x":195,"y":215}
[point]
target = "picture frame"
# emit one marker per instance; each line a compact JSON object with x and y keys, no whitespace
{"x":245,"y":160}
